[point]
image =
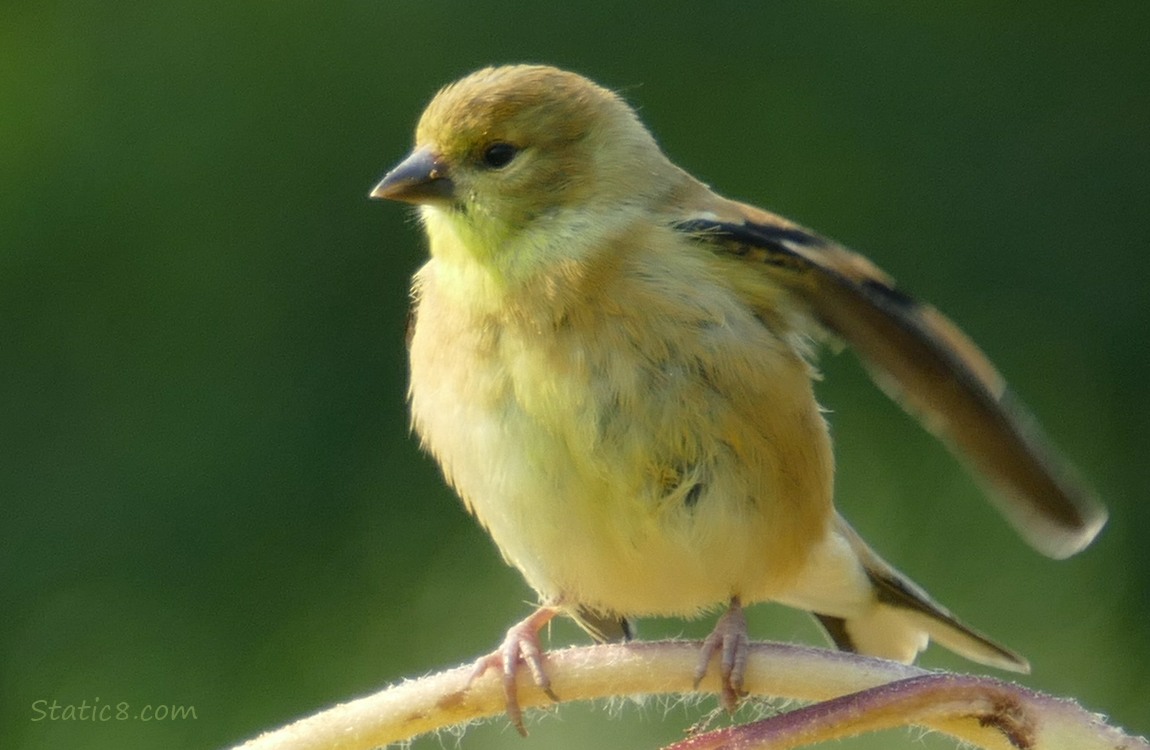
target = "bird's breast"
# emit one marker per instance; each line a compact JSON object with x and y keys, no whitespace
{"x":652,"y":450}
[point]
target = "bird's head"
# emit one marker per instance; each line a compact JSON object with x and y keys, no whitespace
{"x":514,"y":159}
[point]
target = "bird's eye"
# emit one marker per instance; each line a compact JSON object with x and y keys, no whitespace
{"x":499,"y":155}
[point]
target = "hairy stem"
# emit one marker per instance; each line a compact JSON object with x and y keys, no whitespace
{"x":985,"y":712}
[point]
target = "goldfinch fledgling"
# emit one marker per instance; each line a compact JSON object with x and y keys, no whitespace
{"x":611,"y":364}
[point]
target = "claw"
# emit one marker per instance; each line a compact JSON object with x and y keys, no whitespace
{"x":729,"y":639}
{"x":520,"y":646}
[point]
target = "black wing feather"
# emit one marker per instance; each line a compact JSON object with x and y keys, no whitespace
{"x":931,"y":368}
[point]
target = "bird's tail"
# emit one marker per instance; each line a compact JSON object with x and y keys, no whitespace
{"x":868,"y":607}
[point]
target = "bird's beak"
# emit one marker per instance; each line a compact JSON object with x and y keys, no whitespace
{"x":420,"y":178}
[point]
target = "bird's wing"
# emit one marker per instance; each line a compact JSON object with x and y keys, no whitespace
{"x":921,"y":359}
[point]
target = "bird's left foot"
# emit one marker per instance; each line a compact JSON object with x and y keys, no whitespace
{"x":520,"y":646}
{"x":729,"y":639}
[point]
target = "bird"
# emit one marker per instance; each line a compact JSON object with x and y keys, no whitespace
{"x":612,"y":365}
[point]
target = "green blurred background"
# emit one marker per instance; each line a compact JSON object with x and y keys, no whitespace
{"x":210,"y":498}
